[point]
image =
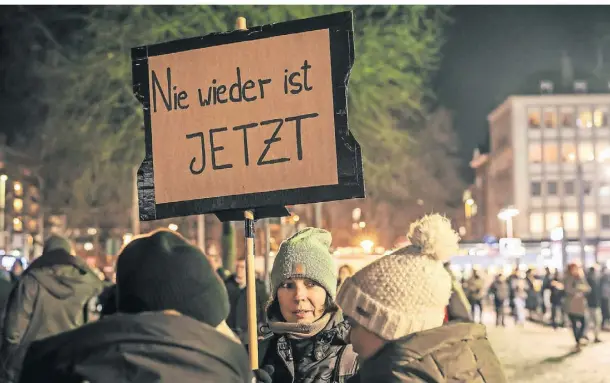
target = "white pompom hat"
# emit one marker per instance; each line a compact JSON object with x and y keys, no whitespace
{"x":406,"y":291}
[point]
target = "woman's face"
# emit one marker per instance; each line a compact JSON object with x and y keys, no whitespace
{"x":17,"y":269}
{"x":301,"y":300}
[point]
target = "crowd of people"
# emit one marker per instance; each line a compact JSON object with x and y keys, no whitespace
{"x":576,"y":299}
{"x":173,"y":314}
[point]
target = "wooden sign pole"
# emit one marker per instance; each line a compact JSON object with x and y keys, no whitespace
{"x":250,"y":274}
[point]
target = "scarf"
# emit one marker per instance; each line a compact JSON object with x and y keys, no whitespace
{"x":299,"y":330}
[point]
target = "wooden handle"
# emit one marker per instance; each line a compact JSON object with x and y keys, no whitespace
{"x":251,"y":290}
{"x":240,"y":23}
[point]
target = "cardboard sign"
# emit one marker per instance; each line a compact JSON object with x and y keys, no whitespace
{"x":247,"y":119}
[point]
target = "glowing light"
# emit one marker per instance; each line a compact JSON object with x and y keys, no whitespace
{"x":88,"y":246}
{"x":367,"y":245}
{"x":173,"y":227}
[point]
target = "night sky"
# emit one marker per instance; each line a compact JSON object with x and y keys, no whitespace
{"x":490,"y":53}
{"x":494,"y":51}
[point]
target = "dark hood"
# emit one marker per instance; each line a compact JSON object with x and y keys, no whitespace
{"x":146,"y":347}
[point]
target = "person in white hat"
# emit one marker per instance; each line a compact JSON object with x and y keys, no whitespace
{"x":396,"y":307}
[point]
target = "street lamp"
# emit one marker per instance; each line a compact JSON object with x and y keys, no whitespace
{"x":172,"y":227}
{"x":367,"y":245}
{"x":507,"y":215}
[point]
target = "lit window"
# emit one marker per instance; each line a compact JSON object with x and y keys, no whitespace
{"x":535,"y":188}
{"x":533,"y":118}
{"x":568,"y":152}
{"x":34,"y":208}
{"x":17,"y":224}
{"x":536,"y":223}
{"x":553,"y":220}
{"x":590,"y":220}
{"x":585,"y":152}
{"x":18,"y":189}
{"x":17,"y":205}
{"x":535,"y":153}
{"x":550,"y":153}
{"x":32,"y":226}
{"x":570,"y":221}
{"x":603,"y":151}
{"x":600,"y":117}
{"x":566,"y":118}
{"x":585,"y":118}
{"x":550,"y":118}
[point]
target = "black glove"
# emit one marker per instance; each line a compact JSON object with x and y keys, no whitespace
{"x":264,"y":374}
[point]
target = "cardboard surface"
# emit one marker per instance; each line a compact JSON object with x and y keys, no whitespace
{"x":272,"y":160}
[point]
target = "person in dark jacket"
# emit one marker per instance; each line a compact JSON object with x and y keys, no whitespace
{"x":604,"y":287}
{"x":593,"y":303}
{"x":236,"y":287}
{"x":16,"y":270}
{"x":170,"y":326}
{"x":307,"y":338}
{"x":475,"y":290}
{"x":458,"y":309}
{"x":557,"y":294}
{"x":51,"y":296}
{"x":499,"y":289}
{"x":395,"y":308}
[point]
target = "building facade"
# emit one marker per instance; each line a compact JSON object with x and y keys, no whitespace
{"x":545,"y":151}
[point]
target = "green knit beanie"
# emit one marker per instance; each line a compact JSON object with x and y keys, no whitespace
{"x":306,"y":255}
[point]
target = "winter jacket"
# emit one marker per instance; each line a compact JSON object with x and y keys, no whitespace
{"x":576,"y":290}
{"x":139,"y":348}
{"x":458,"y":308}
{"x":475,"y":289}
{"x":594,"y":296}
{"x":604,"y":285}
{"x":500,"y":290}
{"x":238,"y":316}
{"x":533,"y":294}
{"x":457,"y":352}
{"x":323,"y":358}
{"x":51,"y":297}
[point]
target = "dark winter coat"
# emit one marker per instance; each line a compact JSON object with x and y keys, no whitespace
{"x":594,"y":298}
{"x":324,"y":358}
{"x":458,"y":309}
{"x":238,"y":316}
{"x":51,"y":297}
{"x":138,"y":348}
{"x":500,"y":290}
{"x":457,"y":352}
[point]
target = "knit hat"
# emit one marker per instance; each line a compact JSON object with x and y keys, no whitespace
{"x":56,"y":242}
{"x":408,"y":290}
{"x":162,"y":271}
{"x":306,"y":255}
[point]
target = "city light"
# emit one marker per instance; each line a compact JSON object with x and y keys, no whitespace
{"x":173,"y":227}
{"x":3,"y":177}
{"x":88,"y":246}
{"x":367,"y":245}
{"x":295,"y":218}
{"x":508,"y":213}
{"x":469,"y":202}
{"x":127,"y":238}
{"x":362,"y":225}
{"x":17,"y":187}
{"x":92,"y":231}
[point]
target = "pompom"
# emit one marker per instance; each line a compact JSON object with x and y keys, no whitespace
{"x":435,"y":237}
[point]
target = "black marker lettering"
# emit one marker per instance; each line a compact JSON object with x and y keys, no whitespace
{"x":296,"y":86}
{"x":298,"y":119}
{"x":248,"y":85}
{"x":157,"y":85}
{"x":245,"y":129}
{"x":305,"y":67}
{"x":214,"y":149}
{"x":261,"y":84}
{"x":199,"y":171}
{"x":261,"y":159}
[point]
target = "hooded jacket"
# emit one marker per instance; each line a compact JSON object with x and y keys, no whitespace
{"x":51,"y":297}
{"x":457,"y":352}
{"x":148,"y":347}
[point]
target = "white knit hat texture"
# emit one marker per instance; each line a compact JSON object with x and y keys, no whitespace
{"x":406,"y":291}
